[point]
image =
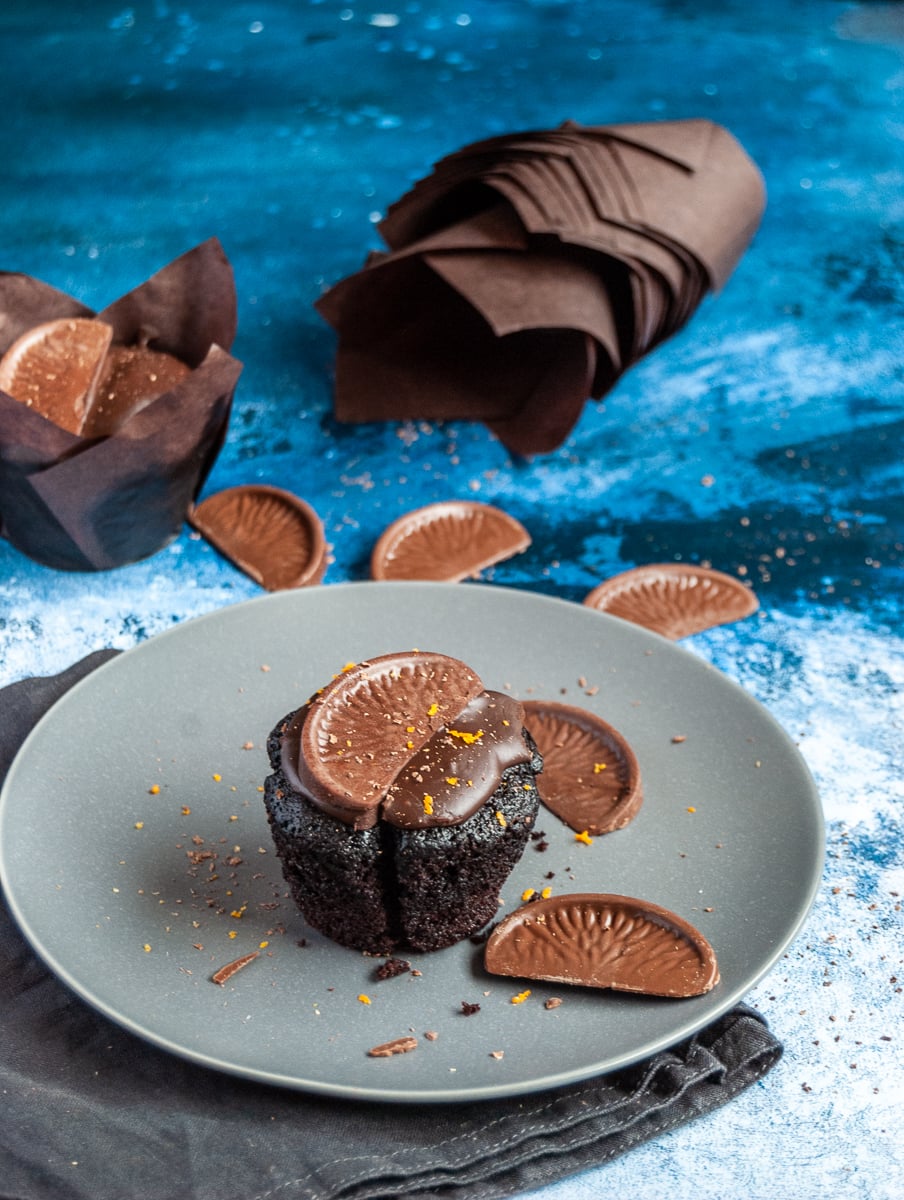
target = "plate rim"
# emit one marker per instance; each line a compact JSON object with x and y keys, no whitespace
{"x":438,"y":1095}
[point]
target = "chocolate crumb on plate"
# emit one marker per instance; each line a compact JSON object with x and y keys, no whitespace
{"x":400,"y":1045}
{"x":468,"y":1009}
{"x":591,"y":778}
{"x":447,"y":541}
{"x":674,"y":599}
{"x":271,"y":534}
{"x":226,"y":972}
{"x":604,"y":941}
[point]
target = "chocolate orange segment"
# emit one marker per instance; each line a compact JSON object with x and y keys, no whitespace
{"x":447,"y":541}
{"x":674,"y":599}
{"x":604,"y":941}
{"x":267,"y":532}
{"x":55,"y":368}
{"x":591,"y":778}
{"x":132,"y":377}
{"x":368,"y":723}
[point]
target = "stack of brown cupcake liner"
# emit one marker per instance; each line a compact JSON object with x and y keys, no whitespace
{"x":529,"y":271}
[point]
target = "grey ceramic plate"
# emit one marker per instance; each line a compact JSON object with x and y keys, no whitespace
{"x":96,"y":861}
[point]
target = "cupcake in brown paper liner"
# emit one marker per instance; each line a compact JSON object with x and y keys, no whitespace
{"x":96,"y":476}
{"x":529,"y":271}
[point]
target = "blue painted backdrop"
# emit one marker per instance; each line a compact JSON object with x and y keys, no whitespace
{"x":765,"y":439}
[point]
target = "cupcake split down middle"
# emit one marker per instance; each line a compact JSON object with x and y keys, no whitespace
{"x":401,"y":796}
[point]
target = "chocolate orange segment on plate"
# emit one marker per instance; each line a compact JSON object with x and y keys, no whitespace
{"x":447,"y":541}
{"x":674,"y":599}
{"x":604,"y":941}
{"x":55,"y":368}
{"x":370,"y":721}
{"x":267,"y":532}
{"x":591,"y":778}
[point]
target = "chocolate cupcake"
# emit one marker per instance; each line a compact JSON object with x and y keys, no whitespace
{"x":401,"y":796}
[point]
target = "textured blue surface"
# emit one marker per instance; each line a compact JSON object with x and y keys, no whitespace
{"x":765,"y":439}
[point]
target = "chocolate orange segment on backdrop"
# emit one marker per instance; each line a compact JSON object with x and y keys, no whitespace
{"x":271,"y":534}
{"x":591,"y":778}
{"x":55,"y":368}
{"x":447,"y":541}
{"x":604,"y":941}
{"x":674,"y":599}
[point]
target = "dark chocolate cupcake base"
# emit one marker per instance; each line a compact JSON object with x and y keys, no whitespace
{"x":384,"y":888}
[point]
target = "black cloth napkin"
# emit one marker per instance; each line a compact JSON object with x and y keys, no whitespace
{"x":87,"y":1110}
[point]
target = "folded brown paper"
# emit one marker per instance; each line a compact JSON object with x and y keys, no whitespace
{"x":527,"y":272}
{"x":78,"y":502}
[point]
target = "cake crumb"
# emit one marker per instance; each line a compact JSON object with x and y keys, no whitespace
{"x":431,"y":1035}
{"x":552,"y":1002}
{"x":468,"y":1010}
{"x":392,"y":967}
{"x":497,"y":1054}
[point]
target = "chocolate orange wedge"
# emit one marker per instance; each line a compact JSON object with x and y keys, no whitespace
{"x":369,"y":722}
{"x":591,"y":778}
{"x":55,"y":368}
{"x":604,"y":941}
{"x":674,"y":599}
{"x":267,"y":532}
{"x":447,"y":541}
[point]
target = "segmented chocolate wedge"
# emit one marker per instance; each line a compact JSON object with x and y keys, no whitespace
{"x":267,"y":532}
{"x":55,"y":368}
{"x":591,"y":778}
{"x":604,"y":941}
{"x":674,"y":599}
{"x":448,"y":541}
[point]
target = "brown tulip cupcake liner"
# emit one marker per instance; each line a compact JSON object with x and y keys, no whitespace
{"x":111,"y":421}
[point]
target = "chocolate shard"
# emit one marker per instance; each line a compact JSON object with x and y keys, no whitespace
{"x":604,"y":941}
{"x":674,"y":599}
{"x":591,"y":777}
{"x":400,"y":1045}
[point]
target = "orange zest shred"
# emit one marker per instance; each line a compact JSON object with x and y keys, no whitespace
{"x":521,"y":997}
{"x":428,"y":804}
{"x":468,"y":738}
{"x":584,"y":837}
{"x":500,"y":817}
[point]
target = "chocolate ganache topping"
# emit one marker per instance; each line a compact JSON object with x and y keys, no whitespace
{"x":412,"y":738}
